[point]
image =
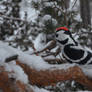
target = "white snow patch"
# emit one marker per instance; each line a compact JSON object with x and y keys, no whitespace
{"x":87,"y":69}
{"x":49,"y":4}
{"x":59,"y":13}
{"x":33,"y":61}
{"x":46,"y":18}
{"x":5,"y":52}
{"x":88,"y":49}
{"x":55,"y":49}
{"x":16,"y":71}
{"x":36,"y":89}
{"x":78,"y":18}
{"x":40,"y":41}
{"x":50,"y":57}
{"x":26,"y":7}
{"x":54,"y":21}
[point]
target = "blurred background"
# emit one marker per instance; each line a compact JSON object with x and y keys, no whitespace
{"x":24,"y":22}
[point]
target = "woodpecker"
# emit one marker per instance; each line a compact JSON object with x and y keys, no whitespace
{"x":72,"y":52}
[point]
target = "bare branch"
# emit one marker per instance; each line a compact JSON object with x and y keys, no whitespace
{"x":49,"y":46}
{"x":74,"y":4}
{"x":11,"y":18}
{"x":54,"y":61}
{"x":15,"y":57}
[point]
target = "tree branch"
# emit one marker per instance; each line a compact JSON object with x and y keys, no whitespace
{"x":11,"y":18}
{"x":9,"y":59}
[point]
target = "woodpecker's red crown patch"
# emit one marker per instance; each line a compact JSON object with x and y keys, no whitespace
{"x":62,"y":28}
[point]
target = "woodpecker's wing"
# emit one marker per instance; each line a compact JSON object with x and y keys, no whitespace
{"x":76,"y":54}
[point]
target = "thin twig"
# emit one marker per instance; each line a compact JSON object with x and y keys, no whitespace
{"x":11,"y":18}
{"x":74,"y":4}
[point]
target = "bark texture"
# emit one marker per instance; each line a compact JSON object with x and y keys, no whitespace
{"x":51,"y":77}
{"x":10,"y":84}
{"x":85,"y":12}
{"x":41,"y":78}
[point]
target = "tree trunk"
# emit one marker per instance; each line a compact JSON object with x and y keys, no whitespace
{"x":85,"y":12}
{"x":67,"y":3}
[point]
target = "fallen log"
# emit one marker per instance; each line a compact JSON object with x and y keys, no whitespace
{"x":8,"y":84}
{"x":53,"y":75}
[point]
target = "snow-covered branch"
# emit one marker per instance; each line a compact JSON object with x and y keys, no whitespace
{"x":29,"y":70}
{"x":56,"y":74}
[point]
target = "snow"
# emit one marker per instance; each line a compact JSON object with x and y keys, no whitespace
{"x":78,"y":18}
{"x":36,"y":89}
{"x":54,"y":21}
{"x":25,"y":7}
{"x":50,"y":57}
{"x":87,"y":69}
{"x":48,"y":4}
{"x":40,"y":41}
{"x":16,"y":71}
{"x":59,"y":13}
{"x":33,"y":61}
{"x":5,"y":53}
{"x":55,"y":49}
{"x":46,"y":18}
{"x":74,"y":7}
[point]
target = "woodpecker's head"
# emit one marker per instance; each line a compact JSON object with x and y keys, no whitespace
{"x":64,"y":36}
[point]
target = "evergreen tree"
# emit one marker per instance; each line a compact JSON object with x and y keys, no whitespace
{"x":15,"y":31}
{"x":54,"y":14}
{"x":11,"y":9}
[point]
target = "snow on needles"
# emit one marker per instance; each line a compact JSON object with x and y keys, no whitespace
{"x":47,"y":18}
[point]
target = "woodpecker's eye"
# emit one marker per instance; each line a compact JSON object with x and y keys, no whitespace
{"x":56,"y":35}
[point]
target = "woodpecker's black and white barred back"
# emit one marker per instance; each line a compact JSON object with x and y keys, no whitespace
{"x":72,"y":52}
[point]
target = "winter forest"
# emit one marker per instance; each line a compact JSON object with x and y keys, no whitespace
{"x":32,"y":59}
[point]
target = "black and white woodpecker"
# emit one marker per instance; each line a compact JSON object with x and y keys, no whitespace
{"x":72,"y":52}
